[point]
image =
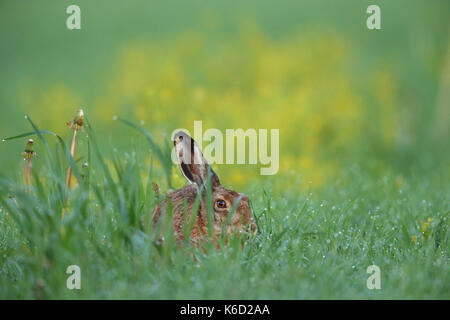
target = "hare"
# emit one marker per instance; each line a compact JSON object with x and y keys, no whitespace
{"x":195,"y":169}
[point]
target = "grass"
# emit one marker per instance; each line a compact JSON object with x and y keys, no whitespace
{"x":361,"y":113}
{"x":310,"y":245}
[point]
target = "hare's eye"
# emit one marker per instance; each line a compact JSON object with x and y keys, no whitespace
{"x":221,"y":203}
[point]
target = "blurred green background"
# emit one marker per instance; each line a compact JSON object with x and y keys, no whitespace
{"x":338,"y":92}
{"x":364,"y":145}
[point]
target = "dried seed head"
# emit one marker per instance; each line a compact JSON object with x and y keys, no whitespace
{"x":77,"y":122}
{"x":156,"y":190}
{"x":28,"y":153}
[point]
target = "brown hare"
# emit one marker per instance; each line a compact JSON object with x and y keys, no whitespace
{"x":195,"y":168}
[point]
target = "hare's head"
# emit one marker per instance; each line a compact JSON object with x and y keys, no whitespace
{"x":196,"y":170}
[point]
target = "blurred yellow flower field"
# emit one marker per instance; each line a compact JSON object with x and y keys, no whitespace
{"x":362,"y":117}
{"x":300,"y":84}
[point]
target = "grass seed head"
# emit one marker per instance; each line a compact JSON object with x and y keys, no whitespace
{"x":28,"y":153}
{"x":77,"y":122}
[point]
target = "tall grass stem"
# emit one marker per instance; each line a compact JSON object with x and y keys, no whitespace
{"x":72,"y":153}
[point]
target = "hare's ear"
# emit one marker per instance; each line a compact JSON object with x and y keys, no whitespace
{"x":191,"y":161}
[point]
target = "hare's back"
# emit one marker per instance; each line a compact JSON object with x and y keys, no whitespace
{"x":178,"y":200}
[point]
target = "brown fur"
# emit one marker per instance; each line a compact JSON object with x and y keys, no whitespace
{"x":199,"y":232}
{"x":183,"y":200}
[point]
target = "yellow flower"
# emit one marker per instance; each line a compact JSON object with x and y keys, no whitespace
{"x":425,"y":227}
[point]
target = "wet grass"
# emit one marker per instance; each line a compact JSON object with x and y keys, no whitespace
{"x":361,"y":113}
{"x":310,"y":244}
